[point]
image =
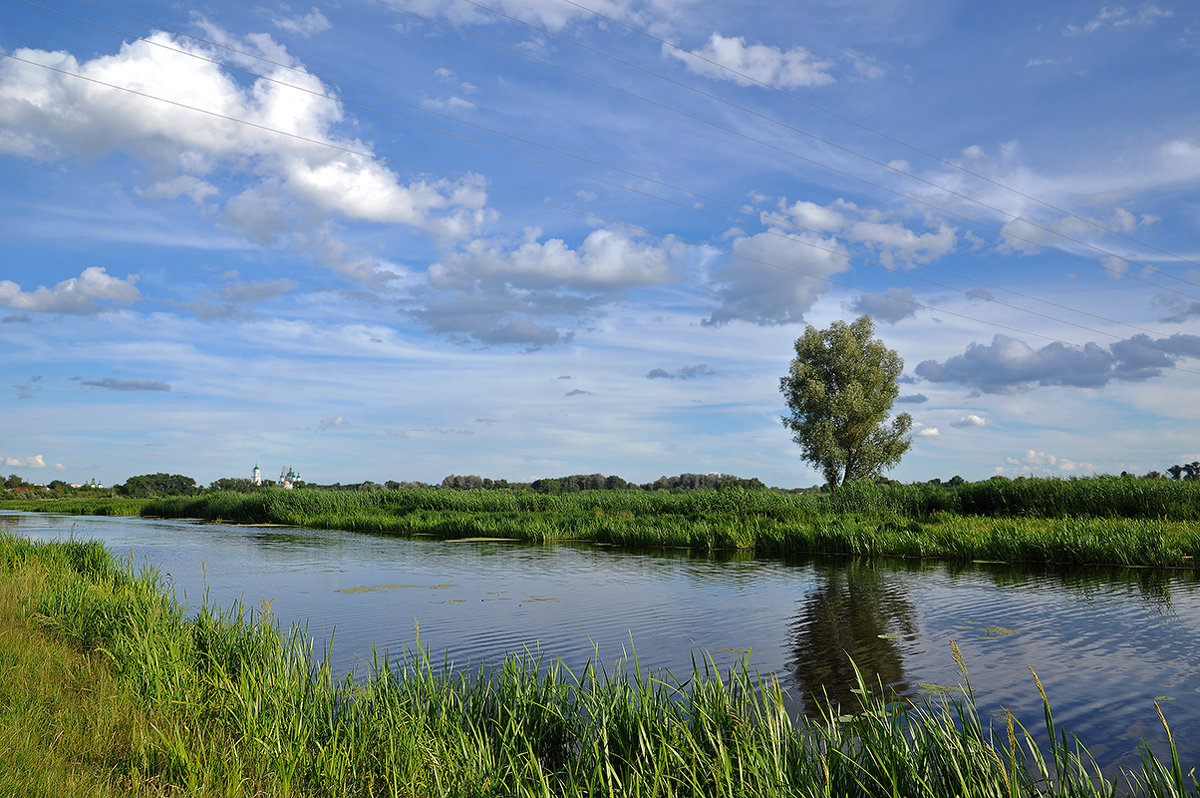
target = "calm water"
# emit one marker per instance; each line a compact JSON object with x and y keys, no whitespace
{"x":1106,"y":644}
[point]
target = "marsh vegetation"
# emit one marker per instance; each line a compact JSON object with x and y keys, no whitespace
{"x":227,"y":704}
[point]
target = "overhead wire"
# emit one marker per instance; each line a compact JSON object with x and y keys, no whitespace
{"x":1009,"y":234}
{"x":874,"y":131}
{"x":765,"y":117}
{"x":848,"y":256}
{"x":366,"y":154}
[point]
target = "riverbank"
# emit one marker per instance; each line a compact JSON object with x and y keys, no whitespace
{"x":1093,"y":521}
{"x":1109,"y":521}
{"x":235,"y":707}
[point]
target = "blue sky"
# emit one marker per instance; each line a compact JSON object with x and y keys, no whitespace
{"x":399,"y":240}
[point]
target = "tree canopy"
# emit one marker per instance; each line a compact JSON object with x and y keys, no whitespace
{"x":160,"y":484}
{"x":839,"y":389}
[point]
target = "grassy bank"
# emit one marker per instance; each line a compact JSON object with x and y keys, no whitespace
{"x":226,"y":705}
{"x":99,"y":505}
{"x":1098,"y":520}
{"x":1095,"y":521}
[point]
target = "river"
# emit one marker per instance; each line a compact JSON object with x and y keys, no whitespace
{"x":1106,"y":644}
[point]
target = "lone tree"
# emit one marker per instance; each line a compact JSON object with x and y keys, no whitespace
{"x":840,"y":388}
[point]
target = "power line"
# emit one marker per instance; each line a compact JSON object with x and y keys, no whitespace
{"x":882,"y":164}
{"x":384,"y":160}
{"x":770,"y":231}
{"x":788,"y":152}
{"x":731,"y":131}
{"x":848,"y":120}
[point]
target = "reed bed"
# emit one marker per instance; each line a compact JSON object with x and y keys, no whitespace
{"x":239,"y":708}
{"x":98,"y":505}
{"x":862,"y":519}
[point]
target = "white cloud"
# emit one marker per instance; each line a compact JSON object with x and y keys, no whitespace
{"x":929,"y":432}
{"x":898,"y":245}
{"x":893,"y":243}
{"x":552,"y":14}
{"x":91,"y":292}
{"x":1118,"y":18}
{"x":1038,"y":462}
{"x":971,"y":420}
{"x":35,"y":461}
{"x":280,"y":179}
{"x":193,"y":188}
{"x":774,"y":278}
{"x":333,"y":422}
{"x":606,"y":260}
{"x":312,"y":23}
{"x":818,"y":218}
{"x":747,"y":64}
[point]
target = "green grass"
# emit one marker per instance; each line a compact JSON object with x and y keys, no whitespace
{"x":1098,"y":520}
{"x":101,"y":505}
{"x":921,"y":521}
{"x":229,"y":705}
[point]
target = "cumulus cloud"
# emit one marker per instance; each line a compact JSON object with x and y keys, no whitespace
{"x":912,"y":399}
{"x":731,"y":58}
{"x":929,"y":432}
{"x":897,"y":245}
{"x":686,"y":373}
{"x":91,"y":292}
{"x":605,"y":260}
{"x":1008,"y":364}
{"x":774,"y":278}
{"x":970,"y":420}
{"x":271,"y":184}
{"x":891,"y":306}
{"x":893,"y":243}
{"x":536,"y":291}
{"x":35,"y":461}
{"x":140,"y":384}
{"x":333,"y":422}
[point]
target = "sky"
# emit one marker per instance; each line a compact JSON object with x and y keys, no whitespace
{"x":402,"y":239}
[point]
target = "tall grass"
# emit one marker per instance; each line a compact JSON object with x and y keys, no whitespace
{"x":243,"y":709}
{"x":923,"y":521}
{"x":98,"y":505}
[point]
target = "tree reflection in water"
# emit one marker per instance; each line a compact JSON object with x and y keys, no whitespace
{"x":857,"y":613}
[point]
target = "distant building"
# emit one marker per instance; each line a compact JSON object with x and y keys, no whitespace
{"x":289,"y":478}
{"x":256,"y":475}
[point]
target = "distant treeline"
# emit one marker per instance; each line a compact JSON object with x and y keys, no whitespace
{"x":551,"y":485}
{"x":149,"y":486}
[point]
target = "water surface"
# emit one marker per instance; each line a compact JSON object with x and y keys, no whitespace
{"x":1106,"y":644}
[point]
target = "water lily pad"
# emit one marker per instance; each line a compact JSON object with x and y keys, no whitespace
{"x":371,"y":588}
{"x":888,"y":636}
{"x":992,"y":631}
